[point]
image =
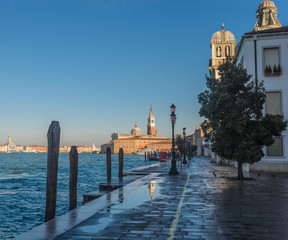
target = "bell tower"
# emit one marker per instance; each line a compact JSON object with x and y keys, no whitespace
{"x":223,"y":46}
{"x":151,"y":123}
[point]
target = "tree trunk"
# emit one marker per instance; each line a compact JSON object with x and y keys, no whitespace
{"x":240,"y":170}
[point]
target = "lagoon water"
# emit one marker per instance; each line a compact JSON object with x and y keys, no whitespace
{"x":23,"y":185}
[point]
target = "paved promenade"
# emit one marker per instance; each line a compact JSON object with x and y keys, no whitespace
{"x":204,"y":202}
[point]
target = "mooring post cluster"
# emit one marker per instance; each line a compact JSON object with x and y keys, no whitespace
{"x":108,"y":163}
{"x":53,"y":137}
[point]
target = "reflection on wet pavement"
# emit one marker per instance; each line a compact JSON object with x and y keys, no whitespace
{"x":214,"y":205}
{"x":143,"y":194}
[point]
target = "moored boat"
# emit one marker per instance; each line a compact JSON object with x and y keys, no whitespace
{"x":142,"y":152}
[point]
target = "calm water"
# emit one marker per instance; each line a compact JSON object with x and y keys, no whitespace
{"x":23,"y":186}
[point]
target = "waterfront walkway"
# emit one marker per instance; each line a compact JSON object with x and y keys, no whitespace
{"x":204,"y":202}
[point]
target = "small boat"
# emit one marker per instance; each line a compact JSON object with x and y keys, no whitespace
{"x":142,"y":152}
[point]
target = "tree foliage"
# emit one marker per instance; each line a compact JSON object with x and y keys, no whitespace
{"x":233,"y":107}
{"x":179,"y":142}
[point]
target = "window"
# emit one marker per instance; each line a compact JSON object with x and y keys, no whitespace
{"x":227,"y":51}
{"x":276,"y":149}
{"x":218,"y":52}
{"x":273,"y":103}
{"x":271,"y":57}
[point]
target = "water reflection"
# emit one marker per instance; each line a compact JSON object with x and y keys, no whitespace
{"x":151,"y":187}
{"x":132,"y":199}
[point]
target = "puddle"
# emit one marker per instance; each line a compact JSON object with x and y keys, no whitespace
{"x":144,"y":193}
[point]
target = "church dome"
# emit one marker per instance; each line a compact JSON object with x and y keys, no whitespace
{"x":223,"y":36}
{"x":136,"y":131}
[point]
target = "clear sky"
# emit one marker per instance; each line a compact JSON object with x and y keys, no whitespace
{"x":97,"y":65}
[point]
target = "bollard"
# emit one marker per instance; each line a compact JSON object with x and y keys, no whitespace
{"x":108,"y":162}
{"x":53,"y":137}
{"x":73,"y":156}
{"x":121,"y":159}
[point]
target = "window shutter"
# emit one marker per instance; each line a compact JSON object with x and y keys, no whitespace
{"x":271,"y":57}
{"x":273,"y":103}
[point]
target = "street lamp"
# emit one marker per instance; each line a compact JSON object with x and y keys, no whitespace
{"x":173,"y":170}
{"x":184,"y":136}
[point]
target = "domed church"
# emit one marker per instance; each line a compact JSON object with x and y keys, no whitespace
{"x":136,"y":141}
{"x":136,"y":131}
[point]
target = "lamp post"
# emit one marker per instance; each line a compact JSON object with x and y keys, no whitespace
{"x":173,"y":170}
{"x":184,"y":156}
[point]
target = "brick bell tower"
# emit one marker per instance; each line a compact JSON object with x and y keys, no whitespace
{"x":151,"y":123}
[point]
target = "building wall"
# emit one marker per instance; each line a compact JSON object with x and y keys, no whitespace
{"x":38,"y":148}
{"x":137,"y":144}
{"x":105,"y":146}
{"x":3,"y":148}
{"x":273,"y":83}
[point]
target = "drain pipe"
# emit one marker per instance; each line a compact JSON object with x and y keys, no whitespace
{"x":255,"y":53}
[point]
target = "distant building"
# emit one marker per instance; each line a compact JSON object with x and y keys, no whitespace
{"x":38,"y":149}
{"x":199,"y":140}
{"x":267,"y":45}
{"x":136,"y":141}
{"x":10,"y":146}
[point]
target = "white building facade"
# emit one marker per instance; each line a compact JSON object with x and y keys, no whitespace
{"x":257,"y":51}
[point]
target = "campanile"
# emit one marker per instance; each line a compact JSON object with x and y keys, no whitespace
{"x":151,"y":123}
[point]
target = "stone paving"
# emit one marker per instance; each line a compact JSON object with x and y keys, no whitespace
{"x":214,"y":206}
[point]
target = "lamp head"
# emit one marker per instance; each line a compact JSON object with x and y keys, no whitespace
{"x":172,"y":108}
{"x":184,"y":133}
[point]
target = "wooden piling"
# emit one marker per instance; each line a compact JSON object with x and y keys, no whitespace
{"x":121,"y":159}
{"x":73,"y":156}
{"x":145,"y":155}
{"x":108,"y":163}
{"x":53,"y":137}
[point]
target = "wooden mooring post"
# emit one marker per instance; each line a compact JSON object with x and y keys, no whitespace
{"x":108,"y":162}
{"x":73,"y":156}
{"x":121,"y":159}
{"x":53,"y":137}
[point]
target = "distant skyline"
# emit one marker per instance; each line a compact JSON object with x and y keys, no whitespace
{"x":97,"y":65}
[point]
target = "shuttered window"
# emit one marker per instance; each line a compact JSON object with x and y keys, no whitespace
{"x":273,"y":103}
{"x":271,"y":57}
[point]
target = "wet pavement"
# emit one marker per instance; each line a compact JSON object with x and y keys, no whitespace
{"x":204,"y":202}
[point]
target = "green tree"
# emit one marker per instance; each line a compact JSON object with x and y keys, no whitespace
{"x":235,"y":125}
{"x":179,"y":142}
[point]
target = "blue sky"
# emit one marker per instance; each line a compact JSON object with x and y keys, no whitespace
{"x":97,"y":65}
